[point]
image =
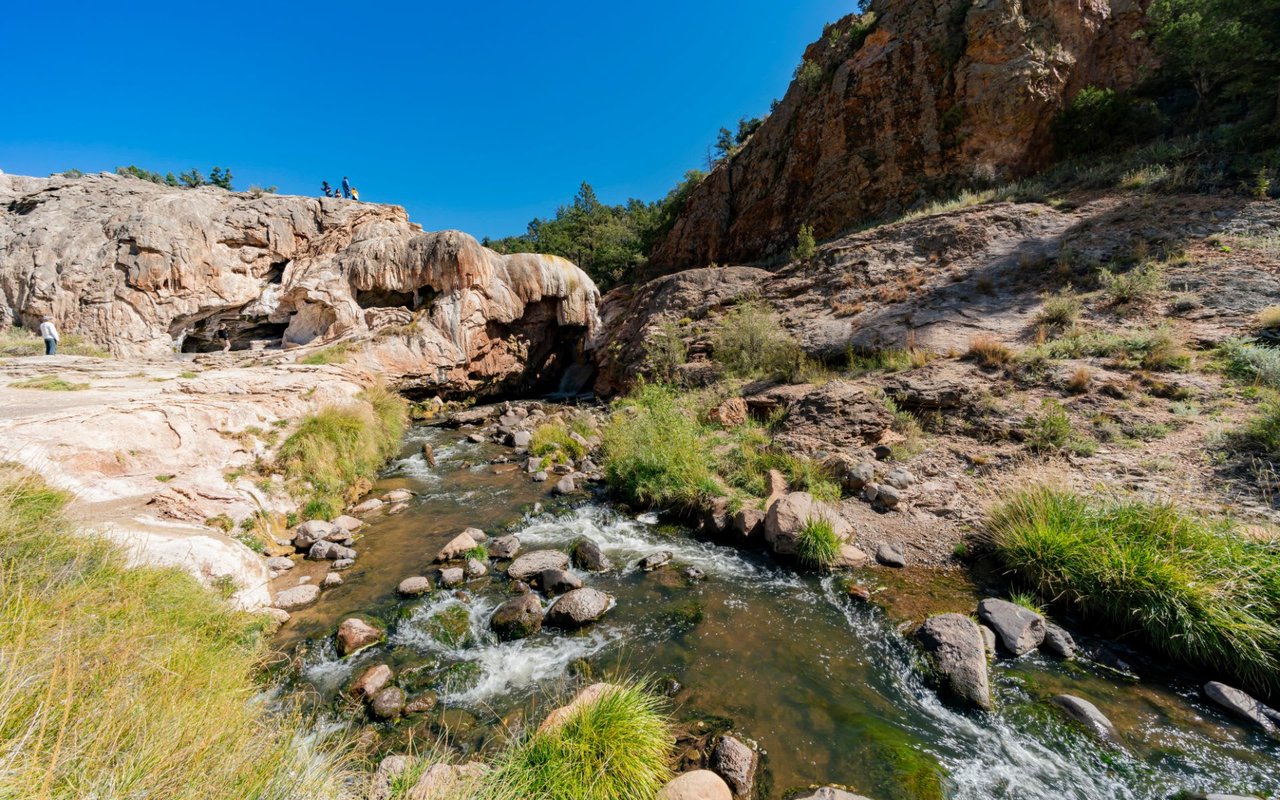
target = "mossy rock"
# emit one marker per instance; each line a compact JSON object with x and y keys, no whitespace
{"x":896,"y":759}
{"x":457,"y":677}
{"x":451,"y":626}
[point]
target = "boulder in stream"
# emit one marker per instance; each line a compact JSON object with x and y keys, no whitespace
{"x":1021,"y":630}
{"x":457,"y":547}
{"x":734,"y":761}
{"x":517,"y":618}
{"x":565,"y":485}
{"x":312,"y":531}
{"x":890,"y":555}
{"x":1088,"y":715}
{"x":372,"y":680}
{"x":829,"y":793}
{"x":579,"y":607}
{"x":297,"y":597}
{"x":789,"y":515}
{"x":452,"y":576}
{"x":1058,"y":641}
{"x":657,"y":560}
{"x":354,"y":635}
{"x":1243,"y":705}
{"x":388,"y":703}
{"x":558,"y":581}
{"x":415,"y":586}
{"x":530,"y":565}
{"x":701,"y":784}
{"x":954,"y":645}
{"x":588,"y":555}
{"x":504,"y":547}
{"x":348,"y":523}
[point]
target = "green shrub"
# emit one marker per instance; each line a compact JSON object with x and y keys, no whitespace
{"x":1060,"y":310}
{"x":1099,"y":119}
{"x":1261,"y":434}
{"x":113,"y":675}
{"x":1049,"y":430}
{"x":654,"y":450}
{"x":1251,"y":363}
{"x":22,"y":342}
{"x":749,"y":456}
{"x":336,"y":453}
{"x":334,"y":354}
{"x":1154,"y":348}
{"x":809,"y":75}
{"x":618,"y":747}
{"x":749,"y":342}
{"x":553,"y":439}
{"x":1137,"y":286}
{"x":665,"y":352}
{"x":817,"y":545}
{"x":886,"y":360}
{"x":1191,"y":587}
{"x":806,"y":246}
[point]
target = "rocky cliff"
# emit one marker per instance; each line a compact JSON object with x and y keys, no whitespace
{"x":140,"y":269}
{"x":931,"y":97}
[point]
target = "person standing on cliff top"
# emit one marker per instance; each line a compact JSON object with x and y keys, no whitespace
{"x":326,"y":188}
{"x":50,"y":335}
{"x":346,"y":187}
{"x":355,"y":194}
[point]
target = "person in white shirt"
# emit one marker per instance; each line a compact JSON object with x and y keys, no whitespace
{"x":50,"y":335}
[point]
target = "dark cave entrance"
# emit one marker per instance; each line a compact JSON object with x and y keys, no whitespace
{"x":246,"y":334}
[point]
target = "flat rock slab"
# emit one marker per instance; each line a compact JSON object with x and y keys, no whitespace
{"x":1243,"y":705}
{"x":531,"y":565}
{"x":504,"y":547}
{"x":1020,"y":630}
{"x":1088,"y":715}
{"x":457,"y":547}
{"x":415,"y":586}
{"x":830,"y":793}
{"x":297,"y":597}
{"x":579,"y":607}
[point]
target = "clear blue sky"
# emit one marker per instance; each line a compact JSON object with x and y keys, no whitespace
{"x":475,"y":115}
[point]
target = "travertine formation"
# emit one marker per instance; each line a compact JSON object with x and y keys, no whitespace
{"x":938,"y":96}
{"x":143,"y":269}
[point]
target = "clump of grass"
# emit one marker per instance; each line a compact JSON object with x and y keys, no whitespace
{"x":553,"y":439}
{"x":1060,"y":310}
{"x":817,"y":545}
{"x":886,"y":360}
{"x":749,"y":456}
{"x":1261,"y":434}
{"x":1191,"y":587}
{"x":1080,"y":380}
{"x":1269,"y":318}
{"x":654,"y":450}
{"x":1158,"y":348}
{"x":22,"y":342}
{"x":1137,"y":286}
{"x":1248,"y":362}
{"x":615,"y":748}
{"x":479,"y":553}
{"x":665,"y":351}
{"x":131,"y":682}
{"x":49,"y":383}
{"x":749,"y":342}
{"x":1027,"y":601}
{"x":1049,"y":430}
{"x":905,"y":424}
{"x":334,"y":354}
{"x":989,"y":352}
{"x":336,"y":453}
{"x":1165,"y":352}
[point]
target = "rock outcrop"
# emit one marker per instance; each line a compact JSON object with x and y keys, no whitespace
{"x":140,"y":269}
{"x":931,"y":98}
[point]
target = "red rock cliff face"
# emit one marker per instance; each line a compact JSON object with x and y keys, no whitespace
{"x":938,"y":96}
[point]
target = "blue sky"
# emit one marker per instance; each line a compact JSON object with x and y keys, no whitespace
{"x":473,"y":115}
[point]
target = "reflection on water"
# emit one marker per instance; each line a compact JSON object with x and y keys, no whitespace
{"x":828,"y":688}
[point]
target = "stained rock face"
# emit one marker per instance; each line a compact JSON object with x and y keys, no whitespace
{"x":935,"y":96}
{"x":139,"y":268}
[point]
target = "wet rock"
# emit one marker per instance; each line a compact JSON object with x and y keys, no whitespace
{"x":398,"y":496}
{"x":1243,"y":705}
{"x":716,"y":518}
{"x":588,"y":555}
{"x":858,"y":477}
{"x":1020,"y":630}
{"x":956,"y":652}
{"x":297,"y":597}
{"x":422,"y":703}
{"x":530,"y":565}
{"x":578,"y":607}
{"x":521,"y":439}
{"x":388,"y":703}
{"x":541,"y":477}
{"x":563,"y":469}
{"x":312,"y":531}
{"x":558,"y":581}
{"x":748,"y":524}
{"x":789,"y":514}
{"x":858,"y":592}
{"x":519,"y":587}
{"x":279,"y":563}
{"x":397,"y":508}
{"x":850,"y":557}
{"x":475,"y":569}
{"x":736,"y":763}
{"x":517,"y":618}
{"x":1058,"y":641}
{"x":900,"y":479}
{"x":452,"y":576}
{"x":891,"y":555}
{"x":415,"y":586}
{"x":331,"y":580}
{"x":372,"y":504}
{"x":457,"y":547}
{"x":693,"y":574}
{"x":1214,"y":796}
{"x":702,"y":784}
{"x":533,"y":465}
{"x":478,"y":536}
{"x":504,"y":547}
{"x":354,"y":635}
{"x":329,"y":551}
{"x":565,"y":485}
{"x":988,"y":640}
{"x":372,"y":680}
{"x":829,"y":793}
{"x":429,"y":454}
{"x":475,"y":438}
{"x":655,"y":561}
{"x":1088,"y":715}
{"x":348,"y":523}
{"x":343,"y":563}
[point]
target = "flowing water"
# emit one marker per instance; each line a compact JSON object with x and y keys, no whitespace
{"x":828,"y":687}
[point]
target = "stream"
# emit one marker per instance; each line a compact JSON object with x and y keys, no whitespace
{"x":828,"y":687}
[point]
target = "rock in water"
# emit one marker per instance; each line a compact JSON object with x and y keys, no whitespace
{"x":558,"y":581}
{"x":702,"y":784}
{"x":955,"y":648}
{"x":1021,"y":630}
{"x":1087,"y":714}
{"x":829,"y":793}
{"x":297,"y":597}
{"x":504,"y":547}
{"x":1058,"y":641}
{"x":452,"y":576}
{"x":348,"y":523}
{"x":388,"y":703}
{"x":312,"y":531}
{"x":429,"y":454}
{"x":457,"y":547}
{"x":1243,"y":705}
{"x":588,"y":555}
{"x":578,"y":607}
{"x":736,"y":763}
{"x":891,"y":555}
{"x":517,"y":618}
{"x":414,"y":587}
{"x":530,"y":565}
{"x":656,"y":560}
{"x":331,"y":580}
{"x":372,"y":681}
{"x":565,"y":485}
{"x":354,"y":635}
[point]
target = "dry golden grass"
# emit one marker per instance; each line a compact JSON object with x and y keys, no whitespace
{"x":1080,"y":380}
{"x":989,"y":351}
{"x":1269,"y":318}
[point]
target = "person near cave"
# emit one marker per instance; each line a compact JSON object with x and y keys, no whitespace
{"x":346,"y":187}
{"x":224,"y":336}
{"x":49,"y":332}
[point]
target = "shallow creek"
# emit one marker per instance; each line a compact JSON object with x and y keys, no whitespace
{"x":827,"y":686}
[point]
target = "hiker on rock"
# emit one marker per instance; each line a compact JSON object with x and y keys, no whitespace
{"x":355,"y":194}
{"x":50,"y":335}
{"x":346,"y":187}
{"x":326,"y":188}
{"x":224,"y":336}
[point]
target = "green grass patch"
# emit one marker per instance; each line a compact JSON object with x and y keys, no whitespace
{"x":334,"y":354}
{"x":1156,"y":349}
{"x":616,"y":748}
{"x":746,"y":456}
{"x":1261,"y":433}
{"x":49,"y":383}
{"x":817,"y":545}
{"x":131,"y":682}
{"x":334,"y":455}
{"x":1189,"y":586}
{"x":750,"y":343}
{"x":553,"y":439}
{"x":1250,"y":363}
{"x":655,"y":450}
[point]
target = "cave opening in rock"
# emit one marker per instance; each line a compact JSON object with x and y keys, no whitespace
{"x":387,"y":298}
{"x":275,"y":273}
{"x":246,"y":334}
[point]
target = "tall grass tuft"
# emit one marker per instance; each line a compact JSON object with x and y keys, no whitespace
{"x":750,"y":342}
{"x":1252,"y":363}
{"x":1190,"y":587}
{"x":618,"y":747}
{"x":49,"y":383}
{"x":817,"y":545}
{"x":1261,"y":434}
{"x":123,"y":682}
{"x":336,"y":453}
{"x":654,"y":450}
